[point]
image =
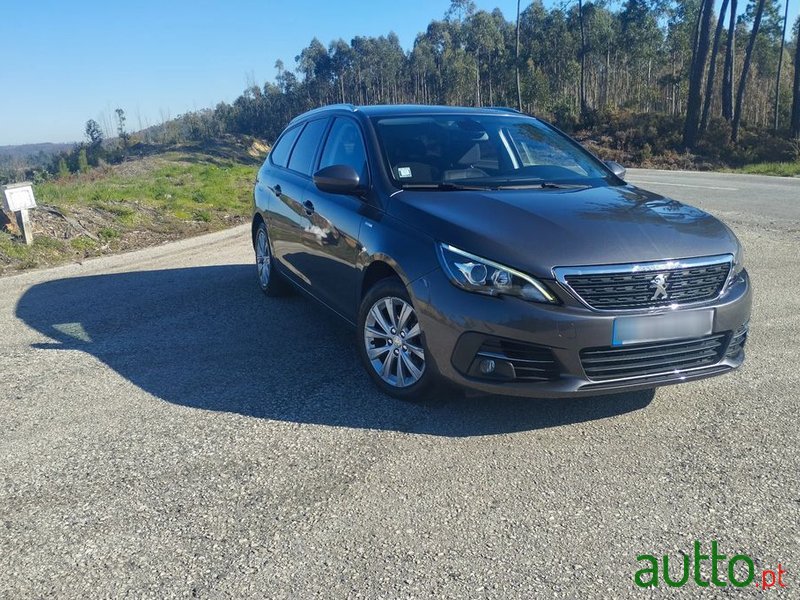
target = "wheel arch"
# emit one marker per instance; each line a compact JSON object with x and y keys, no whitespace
{"x":257,"y":220}
{"x":376,"y":271}
{"x":390,"y":248}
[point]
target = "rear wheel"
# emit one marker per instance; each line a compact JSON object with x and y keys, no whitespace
{"x":269,"y":279}
{"x":392,"y":343}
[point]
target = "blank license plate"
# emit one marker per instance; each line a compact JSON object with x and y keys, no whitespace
{"x":656,"y":328}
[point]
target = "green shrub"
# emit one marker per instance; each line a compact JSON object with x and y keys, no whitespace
{"x":83,"y":244}
{"x":108,"y":233}
{"x":202,"y":215}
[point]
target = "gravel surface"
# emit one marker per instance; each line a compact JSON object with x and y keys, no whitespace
{"x":167,"y":431}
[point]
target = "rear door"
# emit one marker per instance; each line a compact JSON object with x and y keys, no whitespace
{"x":289,"y":184}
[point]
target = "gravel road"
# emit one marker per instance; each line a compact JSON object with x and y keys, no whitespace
{"x":167,"y":431}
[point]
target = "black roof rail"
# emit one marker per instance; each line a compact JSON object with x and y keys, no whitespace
{"x":326,"y":108}
{"x":505,"y":109}
{"x":344,"y":105}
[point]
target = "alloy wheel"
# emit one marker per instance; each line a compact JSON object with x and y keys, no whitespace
{"x":262,"y":258}
{"x":392,"y":337}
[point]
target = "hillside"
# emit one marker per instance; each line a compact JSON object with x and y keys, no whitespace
{"x":164,"y":193}
{"x":25,"y":150}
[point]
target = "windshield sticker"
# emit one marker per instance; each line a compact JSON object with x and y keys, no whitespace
{"x":404,"y":172}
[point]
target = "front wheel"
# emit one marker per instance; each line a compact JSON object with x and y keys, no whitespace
{"x":392,"y":343}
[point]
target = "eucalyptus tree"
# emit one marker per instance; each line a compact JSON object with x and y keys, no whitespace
{"x":602,"y":51}
{"x":642,"y":38}
{"x":516,"y":60}
{"x":780,"y":63}
{"x":483,"y":40}
{"x":341,"y":58}
{"x":795,"y":118}
{"x":712,"y":68}
{"x":699,"y":56}
{"x":582,"y":92}
{"x":748,"y":57}
{"x":728,"y":76}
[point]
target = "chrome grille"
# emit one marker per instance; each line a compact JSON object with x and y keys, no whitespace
{"x":637,"y":360}
{"x":648,"y":285}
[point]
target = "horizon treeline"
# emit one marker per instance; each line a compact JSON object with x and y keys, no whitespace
{"x":705,"y":72}
{"x":574,"y":60}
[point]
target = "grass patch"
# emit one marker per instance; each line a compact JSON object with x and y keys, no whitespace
{"x":108,"y":233}
{"x":171,"y":183}
{"x":12,"y":249}
{"x":202,"y":215}
{"x":83,"y":244}
{"x":782,"y":169}
{"x":43,"y":251}
{"x":181,"y":192}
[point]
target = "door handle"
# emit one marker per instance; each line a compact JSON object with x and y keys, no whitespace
{"x":277,"y":190}
{"x":309,"y":206}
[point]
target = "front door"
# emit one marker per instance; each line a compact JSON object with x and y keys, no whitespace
{"x":331,"y":239}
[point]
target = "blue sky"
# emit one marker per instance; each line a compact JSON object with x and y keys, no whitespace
{"x":64,"y":62}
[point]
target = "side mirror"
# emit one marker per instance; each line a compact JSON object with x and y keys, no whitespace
{"x":616,"y":168}
{"x":338,"y":179}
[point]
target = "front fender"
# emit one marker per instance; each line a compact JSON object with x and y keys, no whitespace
{"x":409,"y":252}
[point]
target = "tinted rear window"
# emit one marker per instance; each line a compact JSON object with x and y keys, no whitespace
{"x":305,"y":150}
{"x":279,"y":154}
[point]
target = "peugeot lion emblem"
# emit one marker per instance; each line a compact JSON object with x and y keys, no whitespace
{"x":660,"y":283}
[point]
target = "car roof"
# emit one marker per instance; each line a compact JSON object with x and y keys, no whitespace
{"x":395,"y":110}
{"x":386,"y":110}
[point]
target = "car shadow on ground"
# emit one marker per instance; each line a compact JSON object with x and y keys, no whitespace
{"x":207,"y":338}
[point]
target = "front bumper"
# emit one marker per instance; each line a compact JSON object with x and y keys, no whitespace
{"x":453,"y":319}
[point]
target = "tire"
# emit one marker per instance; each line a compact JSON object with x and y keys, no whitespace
{"x":270,"y":280}
{"x":395,"y":337}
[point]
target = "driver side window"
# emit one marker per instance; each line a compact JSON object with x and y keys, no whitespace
{"x":345,"y":146}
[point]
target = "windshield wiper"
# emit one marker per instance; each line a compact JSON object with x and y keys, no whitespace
{"x":544,"y":185}
{"x":537,"y":185}
{"x":445,"y":186}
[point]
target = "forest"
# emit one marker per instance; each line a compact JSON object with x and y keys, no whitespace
{"x":642,"y":78}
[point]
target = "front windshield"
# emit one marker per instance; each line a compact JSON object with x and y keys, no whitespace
{"x":481,"y":151}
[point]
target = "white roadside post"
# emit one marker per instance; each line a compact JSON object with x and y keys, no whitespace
{"x":18,"y":198}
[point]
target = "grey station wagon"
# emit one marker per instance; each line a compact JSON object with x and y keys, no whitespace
{"x":487,"y":248}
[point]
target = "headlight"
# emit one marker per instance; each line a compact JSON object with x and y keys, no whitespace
{"x":738,"y":267}
{"x":738,"y":260}
{"x":476,"y":274}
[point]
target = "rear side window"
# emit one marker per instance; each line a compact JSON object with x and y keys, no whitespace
{"x":345,"y":146}
{"x":305,"y":150}
{"x":279,"y":155}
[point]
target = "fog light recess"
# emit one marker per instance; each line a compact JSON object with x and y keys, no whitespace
{"x":487,"y":366}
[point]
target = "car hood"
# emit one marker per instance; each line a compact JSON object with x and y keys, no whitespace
{"x":537,"y":230}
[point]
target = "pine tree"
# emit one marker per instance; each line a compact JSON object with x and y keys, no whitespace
{"x":83,"y":161}
{"x":63,"y":170}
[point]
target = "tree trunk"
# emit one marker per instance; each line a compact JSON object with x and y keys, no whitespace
{"x":516,"y":63}
{"x":727,"y":72}
{"x":477,"y":79}
{"x":780,"y":65}
{"x":491,"y":92}
{"x":582,"y":93}
{"x":748,"y":56}
{"x":796,"y":94}
{"x":692,"y":122}
{"x":712,"y":68}
{"x":606,"y":79}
